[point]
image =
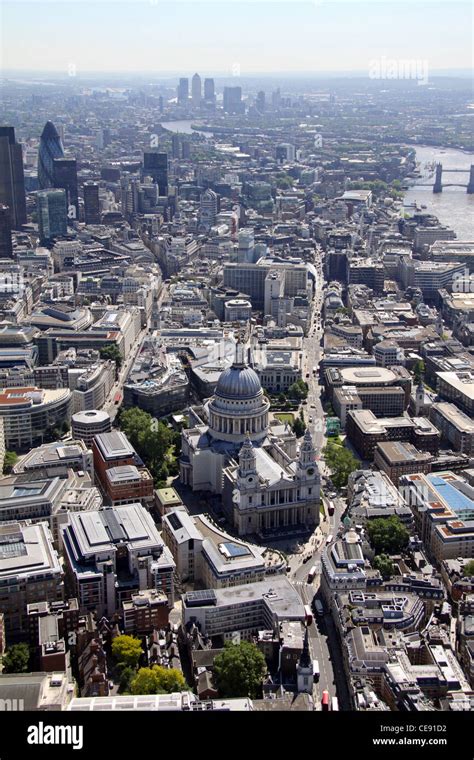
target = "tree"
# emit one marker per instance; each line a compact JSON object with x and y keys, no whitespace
{"x":384,"y":564}
{"x":298,"y":389}
{"x":126,"y":675}
{"x":299,"y":427}
{"x":469,"y":568}
{"x":340,"y":461}
{"x":9,"y":461}
{"x":127,"y":649}
{"x":239,"y":670}
{"x":112,"y":353}
{"x":388,"y":535}
{"x":16,"y":659}
{"x":419,"y":370}
{"x":158,"y":680}
{"x":153,"y":440}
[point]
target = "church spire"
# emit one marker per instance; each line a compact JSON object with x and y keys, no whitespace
{"x":247,"y":459}
{"x":307,"y":450}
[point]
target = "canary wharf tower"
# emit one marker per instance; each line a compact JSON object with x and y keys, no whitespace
{"x":50,"y":147}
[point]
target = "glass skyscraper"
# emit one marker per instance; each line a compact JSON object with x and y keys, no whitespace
{"x":52,"y":213}
{"x":50,"y":147}
{"x":12,"y":180}
{"x":155,"y":164}
{"x":65,"y":176}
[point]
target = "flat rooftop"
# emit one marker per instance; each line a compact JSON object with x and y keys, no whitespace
{"x":114,"y":445}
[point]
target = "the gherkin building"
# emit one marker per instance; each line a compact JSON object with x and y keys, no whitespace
{"x":50,"y":147}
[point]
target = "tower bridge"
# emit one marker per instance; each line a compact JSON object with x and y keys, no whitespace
{"x":438,"y":182}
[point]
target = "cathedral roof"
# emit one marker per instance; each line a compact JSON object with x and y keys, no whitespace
{"x":238,"y":382}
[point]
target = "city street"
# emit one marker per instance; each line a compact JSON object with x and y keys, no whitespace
{"x":110,"y":407}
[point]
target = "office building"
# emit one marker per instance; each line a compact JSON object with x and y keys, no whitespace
{"x":176,"y":146}
{"x":12,"y":180}
{"x":52,"y":214}
{"x":370,"y":495}
{"x":155,"y":165}
{"x":206,"y":554}
{"x":112,"y":554}
{"x":209,"y":90}
{"x":196,"y":92}
{"x":30,"y":571}
{"x":86,"y":425}
{"x":6,"y":248}
{"x":455,"y":426}
{"x":29,"y":413}
{"x":208,"y":208}
{"x":237,"y":310}
{"x":443,"y":507}
{"x":145,"y":612}
{"x":91,"y":203}
{"x":365,"y":430}
{"x":183,"y":91}
{"x":397,"y":458}
{"x":233,"y":100}
{"x":65,"y":177}
{"x":57,"y":457}
{"x":457,"y":387}
{"x":369,"y":379}
{"x":112,"y":450}
{"x":245,"y":609}
{"x":50,"y":147}
{"x":387,"y":401}
{"x":260,"y":101}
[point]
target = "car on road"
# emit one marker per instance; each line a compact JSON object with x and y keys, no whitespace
{"x":310,"y":419}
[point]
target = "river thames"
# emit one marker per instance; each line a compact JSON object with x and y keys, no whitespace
{"x":453,"y":207}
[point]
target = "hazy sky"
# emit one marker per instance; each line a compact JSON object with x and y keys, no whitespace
{"x":215,"y":36}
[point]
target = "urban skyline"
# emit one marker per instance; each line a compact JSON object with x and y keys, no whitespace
{"x":237,"y":372}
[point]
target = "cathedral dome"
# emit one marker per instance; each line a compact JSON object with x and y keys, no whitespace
{"x":238,"y":382}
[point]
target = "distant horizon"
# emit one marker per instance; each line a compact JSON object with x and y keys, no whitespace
{"x":254,"y":36}
{"x":172,"y":73}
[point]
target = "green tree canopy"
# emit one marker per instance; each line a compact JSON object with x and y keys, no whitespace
{"x":298,"y":390}
{"x":469,"y":568}
{"x":340,"y":461}
{"x":239,"y":670}
{"x":127,"y":649}
{"x":112,"y":353}
{"x":419,"y":370}
{"x":298,"y":426}
{"x":16,"y":659}
{"x":384,"y":564}
{"x":388,"y":535}
{"x":152,"y":439}
{"x":158,"y":680}
{"x":11,"y":458}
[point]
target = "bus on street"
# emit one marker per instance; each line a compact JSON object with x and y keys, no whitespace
{"x":316,"y":672}
{"x":311,"y":574}
{"x":308,"y":614}
{"x":325,"y":701}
